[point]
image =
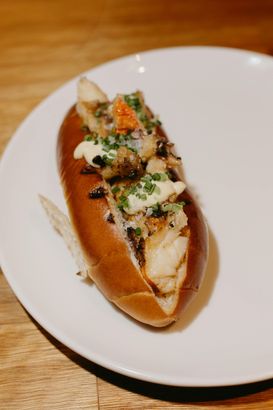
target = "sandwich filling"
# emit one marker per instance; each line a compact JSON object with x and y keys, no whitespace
{"x":123,"y":141}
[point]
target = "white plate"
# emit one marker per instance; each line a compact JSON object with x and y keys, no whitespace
{"x":216,"y":104}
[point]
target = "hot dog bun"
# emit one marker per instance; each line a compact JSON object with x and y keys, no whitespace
{"x":98,"y":225}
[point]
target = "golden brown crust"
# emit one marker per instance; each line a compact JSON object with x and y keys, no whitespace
{"x":104,"y":247}
{"x":143,"y":307}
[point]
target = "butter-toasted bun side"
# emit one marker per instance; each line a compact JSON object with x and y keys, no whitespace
{"x":142,"y":235}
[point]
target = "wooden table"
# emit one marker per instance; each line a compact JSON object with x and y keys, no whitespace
{"x":42,"y":45}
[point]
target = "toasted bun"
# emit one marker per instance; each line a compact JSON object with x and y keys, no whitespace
{"x":105,"y":248}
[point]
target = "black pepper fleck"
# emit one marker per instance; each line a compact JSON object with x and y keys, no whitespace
{"x":96,"y":193}
{"x":99,"y":161}
{"x":88,"y":169}
{"x":110,"y":218}
{"x":162,"y":150}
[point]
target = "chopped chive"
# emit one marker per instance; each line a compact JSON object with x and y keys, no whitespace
{"x":152,"y":190}
{"x":132,"y":190}
{"x":163,"y":177}
{"x":132,"y":149}
{"x":149,"y":187}
{"x":138,"y":231}
{"x":88,"y":137}
{"x":156,"y":211}
{"x":107,"y":160}
{"x":115,"y":190}
{"x":123,"y":202}
{"x":143,"y":117}
{"x":98,"y":113}
{"x":146,"y":178}
{"x":156,"y":176}
{"x":133,"y":101}
{"x":160,"y":176}
{"x":176,"y":207}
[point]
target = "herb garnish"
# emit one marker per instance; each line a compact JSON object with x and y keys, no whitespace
{"x":92,"y":136}
{"x":108,"y":160}
{"x":133,"y":100}
{"x":110,"y":145}
{"x":88,"y":137}
{"x":101,"y":109}
{"x":142,"y":190}
{"x":158,"y":210}
{"x":123,"y":202}
{"x":172,"y":207}
{"x":115,"y":190}
{"x":160,"y":176}
{"x":114,"y":141}
{"x":155,"y":211}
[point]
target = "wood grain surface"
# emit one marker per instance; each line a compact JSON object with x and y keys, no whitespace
{"x":42,"y":45}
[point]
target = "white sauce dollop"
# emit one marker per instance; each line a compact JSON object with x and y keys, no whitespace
{"x":167,"y":188}
{"x":89,"y":150}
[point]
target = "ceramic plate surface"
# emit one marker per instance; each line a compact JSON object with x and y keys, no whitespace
{"x":216,"y":105}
